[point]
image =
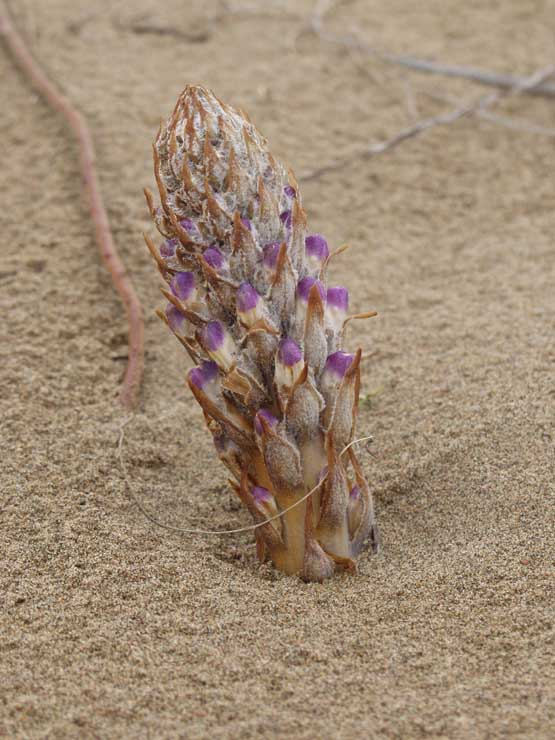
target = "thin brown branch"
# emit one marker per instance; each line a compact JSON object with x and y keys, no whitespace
{"x":510,"y":122}
{"x":226,"y":13}
{"x":143,"y":26}
{"x":484,"y":102}
{"x":482,"y":76}
{"x":122,"y":283}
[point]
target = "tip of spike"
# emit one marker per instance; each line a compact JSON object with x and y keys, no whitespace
{"x":247,"y":299}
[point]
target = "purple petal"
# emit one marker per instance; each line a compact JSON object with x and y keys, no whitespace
{"x":247,"y":297}
{"x":175,"y":317}
{"x":267,"y":416}
{"x":290,"y":191}
{"x":261,"y":495}
{"x":271,"y":254}
{"x":213,"y":336}
{"x":355,"y":492}
{"x":338,"y":363}
{"x":289,"y":352}
{"x":246,"y":222}
{"x":317,"y":247}
{"x":200,"y":376}
{"x":338,"y":298}
{"x":214,"y":258}
{"x":183,"y":285}
{"x":210,"y":370}
{"x":190,"y":226}
{"x":285,"y":219}
{"x":304,"y":286}
{"x":167,"y":248}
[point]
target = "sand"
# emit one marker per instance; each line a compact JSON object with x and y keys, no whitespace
{"x":111,"y":627}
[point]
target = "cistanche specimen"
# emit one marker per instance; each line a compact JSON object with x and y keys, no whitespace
{"x":248,"y":299}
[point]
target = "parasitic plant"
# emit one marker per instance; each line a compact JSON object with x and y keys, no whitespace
{"x":248,"y":299}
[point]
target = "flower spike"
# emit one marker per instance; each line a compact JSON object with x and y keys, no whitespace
{"x":247,"y":296}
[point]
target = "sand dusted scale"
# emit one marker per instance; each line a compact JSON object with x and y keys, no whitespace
{"x":248,"y":299}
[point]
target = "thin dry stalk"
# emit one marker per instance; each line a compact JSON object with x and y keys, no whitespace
{"x":477,"y":107}
{"x":315,"y":25}
{"x":510,"y":122}
{"x":121,"y":281}
{"x":481,"y":76}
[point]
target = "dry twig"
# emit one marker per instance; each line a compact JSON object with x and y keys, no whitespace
{"x":104,"y":239}
{"x":510,"y":122}
{"x":315,"y":25}
{"x":485,"y":101}
{"x":482,"y":76}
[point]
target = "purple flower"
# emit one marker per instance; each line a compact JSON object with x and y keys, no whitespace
{"x":219,"y":344}
{"x":250,"y":306}
{"x":213,"y":336}
{"x":246,"y":223}
{"x":183,"y":285}
{"x":285,"y":219}
{"x":167,"y":248}
{"x":289,"y":364}
{"x":290,"y":191}
{"x":338,"y":363}
{"x":265,"y":500}
{"x":214,"y":258}
{"x":337,"y":305}
{"x":268,"y":417}
{"x":175,"y":318}
{"x":317,"y":249}
{"x":304,"y":286}
{"x":289,"y":352}
{"x":261,"y":495}
{"x":247,"y":298}
{"x":271,"y":254}
{"x":203,"y":374}
{"x":338,"y":298}
{"x":190,"y":227}
{"x":355,"y":493}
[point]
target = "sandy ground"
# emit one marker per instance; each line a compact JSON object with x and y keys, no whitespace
{"x":111,"y":627}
